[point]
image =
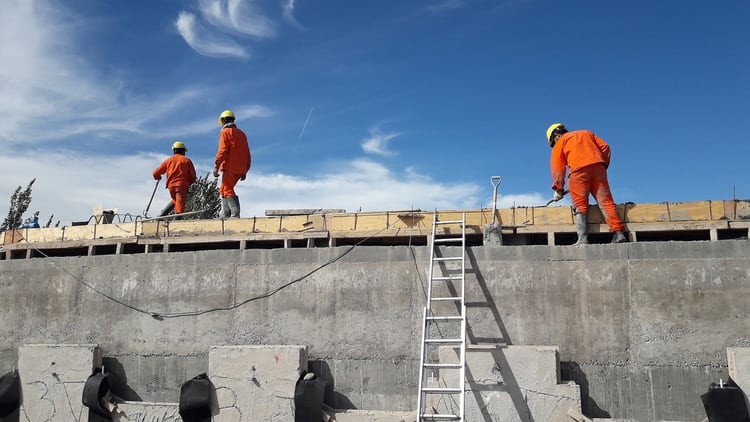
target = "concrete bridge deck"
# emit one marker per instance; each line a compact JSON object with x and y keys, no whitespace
{"x":688,"y":221}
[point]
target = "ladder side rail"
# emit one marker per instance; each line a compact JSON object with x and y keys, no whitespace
{"x":463,"y":266}
{"x":462,"y":371}
{"x":421,"y":399}
{"x":432,"y":262}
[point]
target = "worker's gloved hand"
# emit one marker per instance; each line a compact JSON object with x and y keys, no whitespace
{"x":558,"y":195}
{"x":216,"y":173}
{"x":242,"y":178}
{"x":157,"y":177}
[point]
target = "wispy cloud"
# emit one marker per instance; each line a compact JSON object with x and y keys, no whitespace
{"x":351,"y":187}
{"x":446,"y":5}
{"x":244,"y":17}
{"x":205,"y":41}
{"x":225,"y":21}
{"x":47,"y":80}
{"x":287,"y":10}
{"x":378,"y":142}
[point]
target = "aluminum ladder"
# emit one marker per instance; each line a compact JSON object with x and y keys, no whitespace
{"x":444,"y":324}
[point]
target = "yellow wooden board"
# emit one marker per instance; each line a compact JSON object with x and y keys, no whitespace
{"x":390,"y":223}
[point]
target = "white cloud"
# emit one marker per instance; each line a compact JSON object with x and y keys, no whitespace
{"x":359,"y":184}
{"x":205,"y":41}
{"x":47,"y":80}
{"x":287,"y":9}
{"x":377,"y":143}
{"x":240,"y":16}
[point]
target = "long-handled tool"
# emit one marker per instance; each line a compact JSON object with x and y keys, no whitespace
{"x":495,"y":180}
{"x":555,"y":200}
{"x":145,"y":213}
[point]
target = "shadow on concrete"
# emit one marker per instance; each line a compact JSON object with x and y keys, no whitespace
{"x":572,"y":371}
{"x":118,"y":380}
{"x":14,"y":416}
{"x":11,"y":396}
{"x":332,"y":397}
{"x":488,"y":302}
{"x":509,"y":385}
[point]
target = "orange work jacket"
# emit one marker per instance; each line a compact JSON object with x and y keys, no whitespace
{"x":234,"y":153}
{"x":179,"y":169}
{"x":576,"y":149}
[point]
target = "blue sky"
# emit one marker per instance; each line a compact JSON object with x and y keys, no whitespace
{"x":372,"y":105}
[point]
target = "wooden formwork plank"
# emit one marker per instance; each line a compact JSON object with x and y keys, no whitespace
{"x":689,"y":211}
{"x":718,"y":210}
{"x":553,"y":215}
{"x":336,"y":223}
{"x":522,"y":216}
{"x":742,"y":210}
{"x":266,"y":224}
{"x":370,"y":222}
{"x":195,"y":227}
{"x":646,"y":213}
{"x":151,"y":229}
{"x":409,"y":220}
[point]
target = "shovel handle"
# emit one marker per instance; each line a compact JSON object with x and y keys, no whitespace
{"x":495,"y":180}
{"x":156,"y":185}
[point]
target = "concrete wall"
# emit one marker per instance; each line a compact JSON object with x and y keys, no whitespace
{"x":641,"y":327}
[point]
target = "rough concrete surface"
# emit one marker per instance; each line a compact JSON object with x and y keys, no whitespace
{"x":641,"y":327}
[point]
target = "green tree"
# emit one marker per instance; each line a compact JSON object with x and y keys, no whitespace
{"x":204,"y":196}
{"x":19,"y":203}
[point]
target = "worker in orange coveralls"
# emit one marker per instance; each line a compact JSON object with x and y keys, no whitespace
{"x":233,"y":160}
{"x":180,"y":175}
{"x":588,"y":157}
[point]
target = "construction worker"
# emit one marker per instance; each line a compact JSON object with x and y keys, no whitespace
{"x":180,"y":175}
{"x":233,"y":160}
{"x":587,"y":156}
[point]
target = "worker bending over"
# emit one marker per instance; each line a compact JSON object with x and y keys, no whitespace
{"x":180,"y":175}
{"x":233,"y":160}
{"x":588,"y":157}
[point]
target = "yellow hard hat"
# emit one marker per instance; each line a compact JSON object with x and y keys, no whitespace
{"x":225,"y":113}
{"x":179,"y":145}
{"x":551,"y":129}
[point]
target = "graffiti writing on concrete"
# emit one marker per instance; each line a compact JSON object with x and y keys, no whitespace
{"x":228,"y":409}
{"x":53,"y":403}
{"x":149,"y":414}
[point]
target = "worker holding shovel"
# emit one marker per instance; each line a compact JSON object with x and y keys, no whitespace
{"x":180,"y":175}
{"x":587,"y":156}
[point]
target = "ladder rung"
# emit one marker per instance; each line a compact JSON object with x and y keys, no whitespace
{"x":440,"y":417}
{"x":446,"y":299}
{"x":449,"y":239}
{"x":444,"y":340}
{"x":445,"y":318}
{"x":443,"y":365}
{"x":450,"y":222}
{"x":449,"y":258}
{"x":442,"y":390}
{"x":450,"y":277}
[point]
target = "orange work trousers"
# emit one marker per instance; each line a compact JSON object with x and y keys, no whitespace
{"x":228,"y":182}
{"x":592,"y":179}
{"x":179,"y":196}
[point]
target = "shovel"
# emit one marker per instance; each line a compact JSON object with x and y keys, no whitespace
{"x":555,"y":200}
{"x":145,"y":213}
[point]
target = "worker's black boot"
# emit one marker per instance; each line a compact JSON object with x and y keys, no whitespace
{"x":234,"y":206}
{"x":225,"y":211}
{"x":619,"y":237}
{"x":582,"y":228}
{"x":169,"y":208}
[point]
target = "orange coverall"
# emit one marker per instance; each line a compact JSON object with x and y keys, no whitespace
{"x":588,"y":157}
{"x":233,"y":158}
{"x":180,"y":175}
